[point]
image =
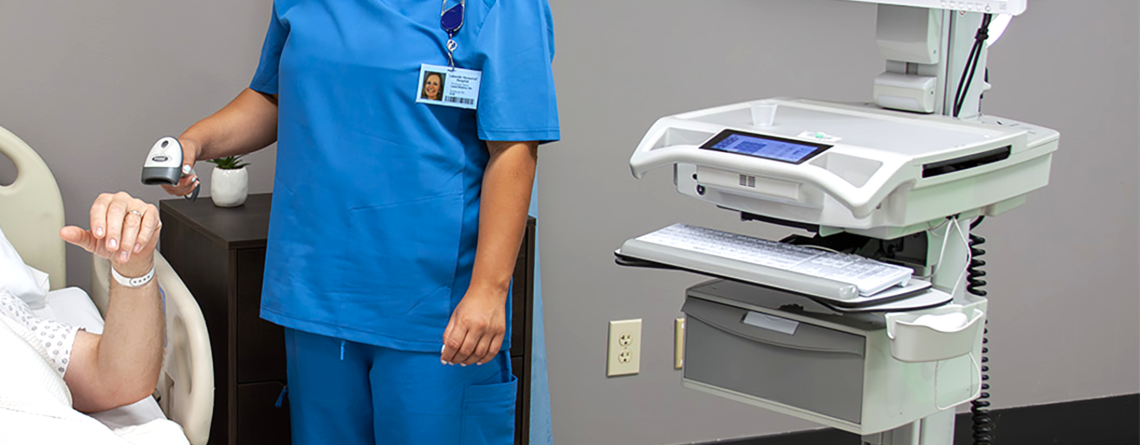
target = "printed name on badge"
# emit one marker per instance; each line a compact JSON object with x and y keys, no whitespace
{"x":449,"y":87}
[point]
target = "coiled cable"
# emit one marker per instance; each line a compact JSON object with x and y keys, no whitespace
{"x":983,"y":426}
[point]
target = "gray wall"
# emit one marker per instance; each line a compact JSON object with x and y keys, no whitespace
{"x":91,"y":85}
{"x":1063,"y":268}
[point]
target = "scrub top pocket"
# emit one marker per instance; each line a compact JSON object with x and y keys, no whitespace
{"x":489,"y":413}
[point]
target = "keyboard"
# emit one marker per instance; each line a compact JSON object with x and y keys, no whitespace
{"x":866,"y":275}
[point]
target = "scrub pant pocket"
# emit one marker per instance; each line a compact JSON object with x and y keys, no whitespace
{"x":489,"y":413}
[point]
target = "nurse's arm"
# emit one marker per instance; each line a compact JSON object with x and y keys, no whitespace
{"x":475,"y":332}
{"x":246,"y":124}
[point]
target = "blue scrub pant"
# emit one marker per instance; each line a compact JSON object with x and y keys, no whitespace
{"x":347,"y":393}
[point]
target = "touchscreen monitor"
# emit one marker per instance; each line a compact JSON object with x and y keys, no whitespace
{"x":767,"y":147}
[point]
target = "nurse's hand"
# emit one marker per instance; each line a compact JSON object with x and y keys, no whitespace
{"x":475,"y":332}
{"x":123,"y":229}
{"x":190,"y":151}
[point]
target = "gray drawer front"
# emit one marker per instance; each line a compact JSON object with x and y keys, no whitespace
{"x":815,"y":369}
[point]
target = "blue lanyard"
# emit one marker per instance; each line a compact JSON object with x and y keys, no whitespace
{"x":451,"y":20}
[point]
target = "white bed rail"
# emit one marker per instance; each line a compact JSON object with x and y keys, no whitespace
{"x":31,"y":210}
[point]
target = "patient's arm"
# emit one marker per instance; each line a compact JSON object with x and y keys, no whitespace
{"x":121,"y":366}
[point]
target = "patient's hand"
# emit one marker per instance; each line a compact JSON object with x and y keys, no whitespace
{"x":123,"y":229}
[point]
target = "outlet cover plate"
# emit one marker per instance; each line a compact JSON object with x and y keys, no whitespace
{"x":624,"y":348}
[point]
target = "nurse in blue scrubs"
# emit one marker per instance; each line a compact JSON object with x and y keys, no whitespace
{"x":397,"y":217}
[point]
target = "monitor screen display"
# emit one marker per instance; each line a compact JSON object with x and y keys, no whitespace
{"x":767,"y":147}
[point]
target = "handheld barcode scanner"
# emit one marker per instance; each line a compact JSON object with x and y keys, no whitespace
{"x":164,"y":165}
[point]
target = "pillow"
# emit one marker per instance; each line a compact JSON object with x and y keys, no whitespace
{"x":17,"y":278}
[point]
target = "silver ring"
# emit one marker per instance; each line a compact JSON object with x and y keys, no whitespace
{"x":136,"y":212}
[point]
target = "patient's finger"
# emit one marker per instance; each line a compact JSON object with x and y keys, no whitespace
{"x":132,"y":223}
{"x":99,"y":215}
{"x":149,"y":227}
{"x":116,"y":210}
{"x":79,"y":237}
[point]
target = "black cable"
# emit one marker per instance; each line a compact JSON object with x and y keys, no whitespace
{"x":971,"y":65}
{"x":972,"y":61}
{"x":962,"y":84}
{"x":977,"y":222}
{"x":983,"y":425}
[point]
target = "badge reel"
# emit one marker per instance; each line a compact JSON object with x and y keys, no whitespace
{"x":458,"y":87}
{"x":451,"y":20}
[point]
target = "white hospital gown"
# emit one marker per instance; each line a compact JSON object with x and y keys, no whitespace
{"x":56,"y":338}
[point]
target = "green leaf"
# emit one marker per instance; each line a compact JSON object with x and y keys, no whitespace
{"x":229,"y":162}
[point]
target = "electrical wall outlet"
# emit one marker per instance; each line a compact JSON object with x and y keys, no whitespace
{"x":624,"y":348}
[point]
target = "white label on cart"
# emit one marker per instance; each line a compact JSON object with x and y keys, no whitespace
{"x":781,"y":325}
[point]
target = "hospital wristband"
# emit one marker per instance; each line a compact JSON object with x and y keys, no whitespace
{"x":132,"y":282}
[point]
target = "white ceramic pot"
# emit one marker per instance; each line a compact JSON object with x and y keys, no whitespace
{"x":229,"y":188}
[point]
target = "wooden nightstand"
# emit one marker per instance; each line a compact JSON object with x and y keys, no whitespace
{"x":220,"y":255}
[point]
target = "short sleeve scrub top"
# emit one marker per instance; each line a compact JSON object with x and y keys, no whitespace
{"x":375,"y":208}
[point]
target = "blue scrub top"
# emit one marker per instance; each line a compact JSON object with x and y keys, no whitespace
{"x":375,"y":213}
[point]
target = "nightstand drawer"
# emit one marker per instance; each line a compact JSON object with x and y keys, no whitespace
{"x":260,"y":344}
{"x":259,"y":420}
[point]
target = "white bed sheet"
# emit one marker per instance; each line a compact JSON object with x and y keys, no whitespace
{"x":73,"y":306}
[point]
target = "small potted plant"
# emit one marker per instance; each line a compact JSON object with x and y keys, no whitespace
{"x":229,"y":183}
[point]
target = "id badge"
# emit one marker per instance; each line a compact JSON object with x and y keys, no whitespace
{"x":449,"y":87}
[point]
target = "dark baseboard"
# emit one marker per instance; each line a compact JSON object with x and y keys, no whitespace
{"x":1107,"y":421}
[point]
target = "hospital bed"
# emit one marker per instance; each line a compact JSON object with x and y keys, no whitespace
{"x":31,"y":214}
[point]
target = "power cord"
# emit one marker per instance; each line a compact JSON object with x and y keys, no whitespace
{"x":983,"y":425}
{"x":972,"y":61}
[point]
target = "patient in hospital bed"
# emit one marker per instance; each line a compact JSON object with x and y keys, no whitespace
{"x":51,"y":373}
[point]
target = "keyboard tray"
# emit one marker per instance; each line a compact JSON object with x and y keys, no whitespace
{"x":639,"y":253}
